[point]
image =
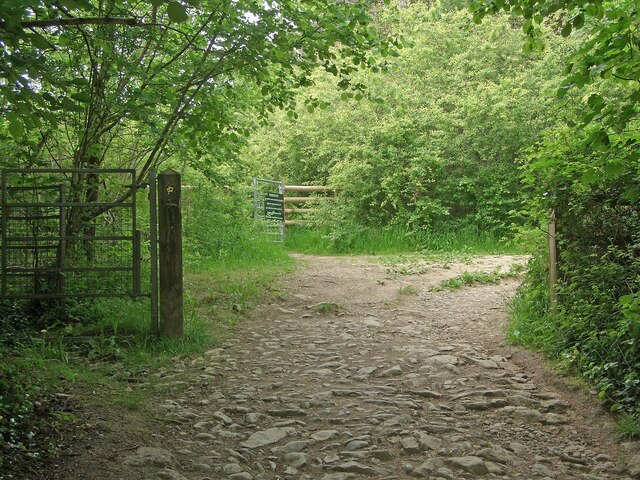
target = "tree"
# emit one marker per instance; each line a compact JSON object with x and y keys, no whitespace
{"x":609,"y":52}
{"x":442,"y":150}
{"x":81,"y":80}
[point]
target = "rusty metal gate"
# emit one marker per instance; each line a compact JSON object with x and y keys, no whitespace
{"x":69,"y":233}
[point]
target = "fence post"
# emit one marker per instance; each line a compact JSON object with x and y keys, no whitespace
{"x":553,"y":263}
{"x":62,"y":248}
{"x":170,"y":230}
{"x":153,"y":248}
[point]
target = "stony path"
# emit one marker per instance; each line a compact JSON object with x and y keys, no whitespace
{"x":398,"y":382}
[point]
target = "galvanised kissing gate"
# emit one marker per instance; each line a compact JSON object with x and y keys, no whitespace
{"x":69,"y":233}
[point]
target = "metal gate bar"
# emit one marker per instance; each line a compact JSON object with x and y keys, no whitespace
{"x":37,"y":262}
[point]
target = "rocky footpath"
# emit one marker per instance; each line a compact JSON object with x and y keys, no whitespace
{"x":346,"y":378}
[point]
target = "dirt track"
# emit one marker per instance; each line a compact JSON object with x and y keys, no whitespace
{"x":358,"y":373}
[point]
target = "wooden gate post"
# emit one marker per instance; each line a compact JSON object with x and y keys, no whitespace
{"x":170,"y":232}
{"x":553,"y":264}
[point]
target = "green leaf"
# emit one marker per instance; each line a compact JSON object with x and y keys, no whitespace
{"x":16,"y":129}
{"x":566,"y":30}
{"x":590,"y":176}
{"x":626,"y":299}
{"x":157,"y":3}
{"x":612,"y":170}
{"x":80,"y":82}
{"x":81,"y":97}
{"x":71,"y":106}
{"x":40,"y":42}
{"x":578,"y":21}
{"x":177,"y":12}
{"x":595,"y":101}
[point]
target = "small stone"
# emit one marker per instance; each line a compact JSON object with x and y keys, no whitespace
{"x":496,"y":454}
{"x":543,"y":471}
{"x":205,"y":436}
{"x":340,"y":476}
{"x":223,"y":418}
{"x":252,"y":417}
{"x":324,"y":435}
{"x":366,"y":371}
{"x":528,"y":415}
{"x":554,"y":405}
{"x":442,"y":360}
{"x":355,"y":467}
{"x":555,"y":419}
{"x":633,"y":467}
{"x":495,"y":468}
{"x":428,"y":442}
{"x":383,"y":455}
{"x":150,"y":456}
{"x":445,"y":473}
{"x":290,"y":447}
{"x":168,"y":474}
{"x":267,"y":437}
{"x":427,"y":468}
{"x":410,"y":445}
{"x":241,"y":476}
{"x":490,"y":364}
{"x":295,"y":460}
{"x":517,"y":448}
{"x":357,"y":444}
{"x":231,"y":468}
{"x":478,"y":406}
{"x":331,"y":458}
{"x":469,"y":464}
{"x":391,"y":372}
{"x":371,"y":322}
{"x":287,"y":413}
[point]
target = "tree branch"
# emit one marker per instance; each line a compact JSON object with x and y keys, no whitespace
{"x":66,"y":22}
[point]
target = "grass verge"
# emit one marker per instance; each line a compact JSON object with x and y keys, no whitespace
{"x":396,"y":240}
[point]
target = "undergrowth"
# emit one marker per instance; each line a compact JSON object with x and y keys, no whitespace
{"x":592,"y":333}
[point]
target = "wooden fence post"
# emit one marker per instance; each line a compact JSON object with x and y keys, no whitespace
{"x":170,"y":230}
{"x":553,"y":263}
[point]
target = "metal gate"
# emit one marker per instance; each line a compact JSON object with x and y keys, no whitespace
{"x":268,"y":206}
{"x":64,"y":235}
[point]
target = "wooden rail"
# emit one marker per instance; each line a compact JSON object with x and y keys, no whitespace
{"x":305,"y":199}
{"x":306,"y":188}
{"x":291,"y":202}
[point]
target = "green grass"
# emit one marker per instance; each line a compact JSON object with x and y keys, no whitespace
{"x":478,"y":278}
{"x":408,"y":290}
{"x":628,"y":427}
{"x":369,"y":241}
{"x":327,"y":308}
{"x":468,"y":240}
{"x":396,"y":240}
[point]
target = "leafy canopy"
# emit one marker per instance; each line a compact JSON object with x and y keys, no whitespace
{"x":103,"y":67}
{"x":609,"y":51}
